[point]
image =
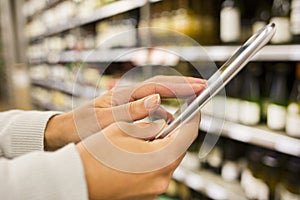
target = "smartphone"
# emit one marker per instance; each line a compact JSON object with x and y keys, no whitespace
{"x":222,"y":76}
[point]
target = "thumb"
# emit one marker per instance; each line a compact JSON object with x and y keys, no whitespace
{"x":137,"y":109}
{"x":145,"y":131}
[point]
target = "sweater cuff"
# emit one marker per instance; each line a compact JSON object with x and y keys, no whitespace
{"x":28,"y":132}
{"x":49,"y":175}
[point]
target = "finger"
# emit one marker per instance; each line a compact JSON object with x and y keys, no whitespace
{"x":161,"y":113}
{"x":168,"y":90}
{"x":181,"y":137}
{"x":165,"y":86}
{"x":136,"y":110}
{"x":116,"y":148}
{"x":145,"y":131}
{"x":176,"y":79}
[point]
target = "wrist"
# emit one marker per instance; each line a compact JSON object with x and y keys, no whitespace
{"x":60,"y":130}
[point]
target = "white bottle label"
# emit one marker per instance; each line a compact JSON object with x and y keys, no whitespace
{"x":230,"y":24}
{"x":258,"y":25}
{"x":293,"y":125}
{"x":276,"y":116}
{"x":230,"y":171}
{"x":287,"y":195}
{"x":254,"y":188}
{"x":295,"y":17}
{"x":232,"y":109}
{"x":249,"y":113}
{"x":283,"y":33}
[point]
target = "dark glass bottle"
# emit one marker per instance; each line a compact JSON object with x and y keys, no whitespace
{"x":262,"y":16}
{"x":250,"y":110}
{"x":280,"y":16}
{"x":214,"y":160}
{"x":276,"y":114}
{"x":293,"y":111}
{"x":266,"y":84}
{"x":295,"y":20}
{"x":233,"y":90}
{"x":252,"y":176}
{"x":271,"y":172}
{"x":230,"y":22}
{"x":290,"y":187}
{"x":232,"y":164}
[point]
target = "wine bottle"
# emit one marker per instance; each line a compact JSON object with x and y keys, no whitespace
{"x":295,"y":20}
{"x":276,"y":112}
{"x":230,"y":22}
{"x":214,"y":159}
{"x":250,"y":110}
{"x":252,"y":176}
{"x":262,"y":16}
{"x":232,"y":165}
{"x":232,"y":98}
{"x":266,"y":84}
{"x":186,"y":21}
{"x":280,"y":16}
{"x":271,"y":172}
{"x":290,"y":188}
{"x":293,"y":110}
{"x":207,"y":19}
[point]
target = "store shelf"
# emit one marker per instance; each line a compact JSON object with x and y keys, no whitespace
{"x":214,"y":53}
{"x":45,"y":106}
{"x":106,"y":11}
{"x":222,"y":53}
{"x":207,"y":182}
{"x":76,"y":90}
{"x":54,"y":86}
{"x":268,"y":53}
{"x":260,"y":135}
{"x":120,"y":55}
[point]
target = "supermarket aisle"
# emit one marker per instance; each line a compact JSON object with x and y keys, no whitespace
{"x":70,"y":51}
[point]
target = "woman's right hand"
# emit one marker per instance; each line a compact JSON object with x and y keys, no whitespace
{"x":112,"y":182}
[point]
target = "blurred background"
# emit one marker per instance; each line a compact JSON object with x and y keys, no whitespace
{"x":46,"y":64}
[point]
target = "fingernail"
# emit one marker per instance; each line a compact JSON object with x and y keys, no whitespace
{"x":152,"y":102}
{"x":199,"y":87}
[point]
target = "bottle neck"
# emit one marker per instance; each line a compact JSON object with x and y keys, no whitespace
{"x":280,"y":8}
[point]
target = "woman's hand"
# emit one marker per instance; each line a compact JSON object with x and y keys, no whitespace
{"x":147,"y":167}
{"x":128,"y":103}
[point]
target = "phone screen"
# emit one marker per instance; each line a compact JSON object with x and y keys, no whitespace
{"x":222,"y":76}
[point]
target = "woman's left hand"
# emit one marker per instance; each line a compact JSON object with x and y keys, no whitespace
{"x":129,"y":103}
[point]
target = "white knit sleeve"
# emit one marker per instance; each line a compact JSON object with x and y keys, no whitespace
{"x":22,"y":131}
{"x":39,"y":175}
